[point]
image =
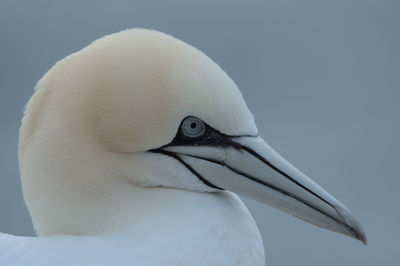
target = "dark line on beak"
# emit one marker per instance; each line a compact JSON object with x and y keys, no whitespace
{"x":273,"y":187}
{"x":261,"y":158}
{"x":176,"y":157}
{"x":292,"y":196}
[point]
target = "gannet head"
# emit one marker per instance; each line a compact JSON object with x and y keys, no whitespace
{"x":143,"y":108}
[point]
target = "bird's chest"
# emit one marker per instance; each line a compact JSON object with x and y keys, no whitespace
{"x":218,"y":233}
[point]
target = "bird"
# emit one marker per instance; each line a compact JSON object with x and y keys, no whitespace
{"x":133,"y":151}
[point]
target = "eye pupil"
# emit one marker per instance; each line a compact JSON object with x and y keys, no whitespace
{"x":193,"y":125}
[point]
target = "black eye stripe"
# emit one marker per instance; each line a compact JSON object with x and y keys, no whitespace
{"x":211,"y":137}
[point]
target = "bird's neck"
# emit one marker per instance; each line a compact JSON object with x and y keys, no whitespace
{"x":129,"y":209}
{"x":178,"y":227}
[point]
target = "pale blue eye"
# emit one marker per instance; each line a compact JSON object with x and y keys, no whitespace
{"x":193,"y":127}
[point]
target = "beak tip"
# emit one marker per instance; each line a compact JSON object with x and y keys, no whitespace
{"x":353,"y":223}
{"x":363,"y":239}
{"x":362,"y":236}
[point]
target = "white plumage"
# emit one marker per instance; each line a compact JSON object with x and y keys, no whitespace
{"x":185,"y":228}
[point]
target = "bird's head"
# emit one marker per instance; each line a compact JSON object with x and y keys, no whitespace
{"x":142,"y":107}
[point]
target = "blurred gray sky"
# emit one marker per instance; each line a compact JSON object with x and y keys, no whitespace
{"x":321,"y":77}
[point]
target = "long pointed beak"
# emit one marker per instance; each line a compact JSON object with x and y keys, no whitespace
{"x":250,"y":167}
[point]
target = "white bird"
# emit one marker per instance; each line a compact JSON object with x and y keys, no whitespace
{"x":131,"y":150}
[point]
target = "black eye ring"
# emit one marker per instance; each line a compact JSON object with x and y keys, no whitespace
{"x":192,"y":127}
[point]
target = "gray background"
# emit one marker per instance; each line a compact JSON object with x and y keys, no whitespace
{"x":321,"y":77}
